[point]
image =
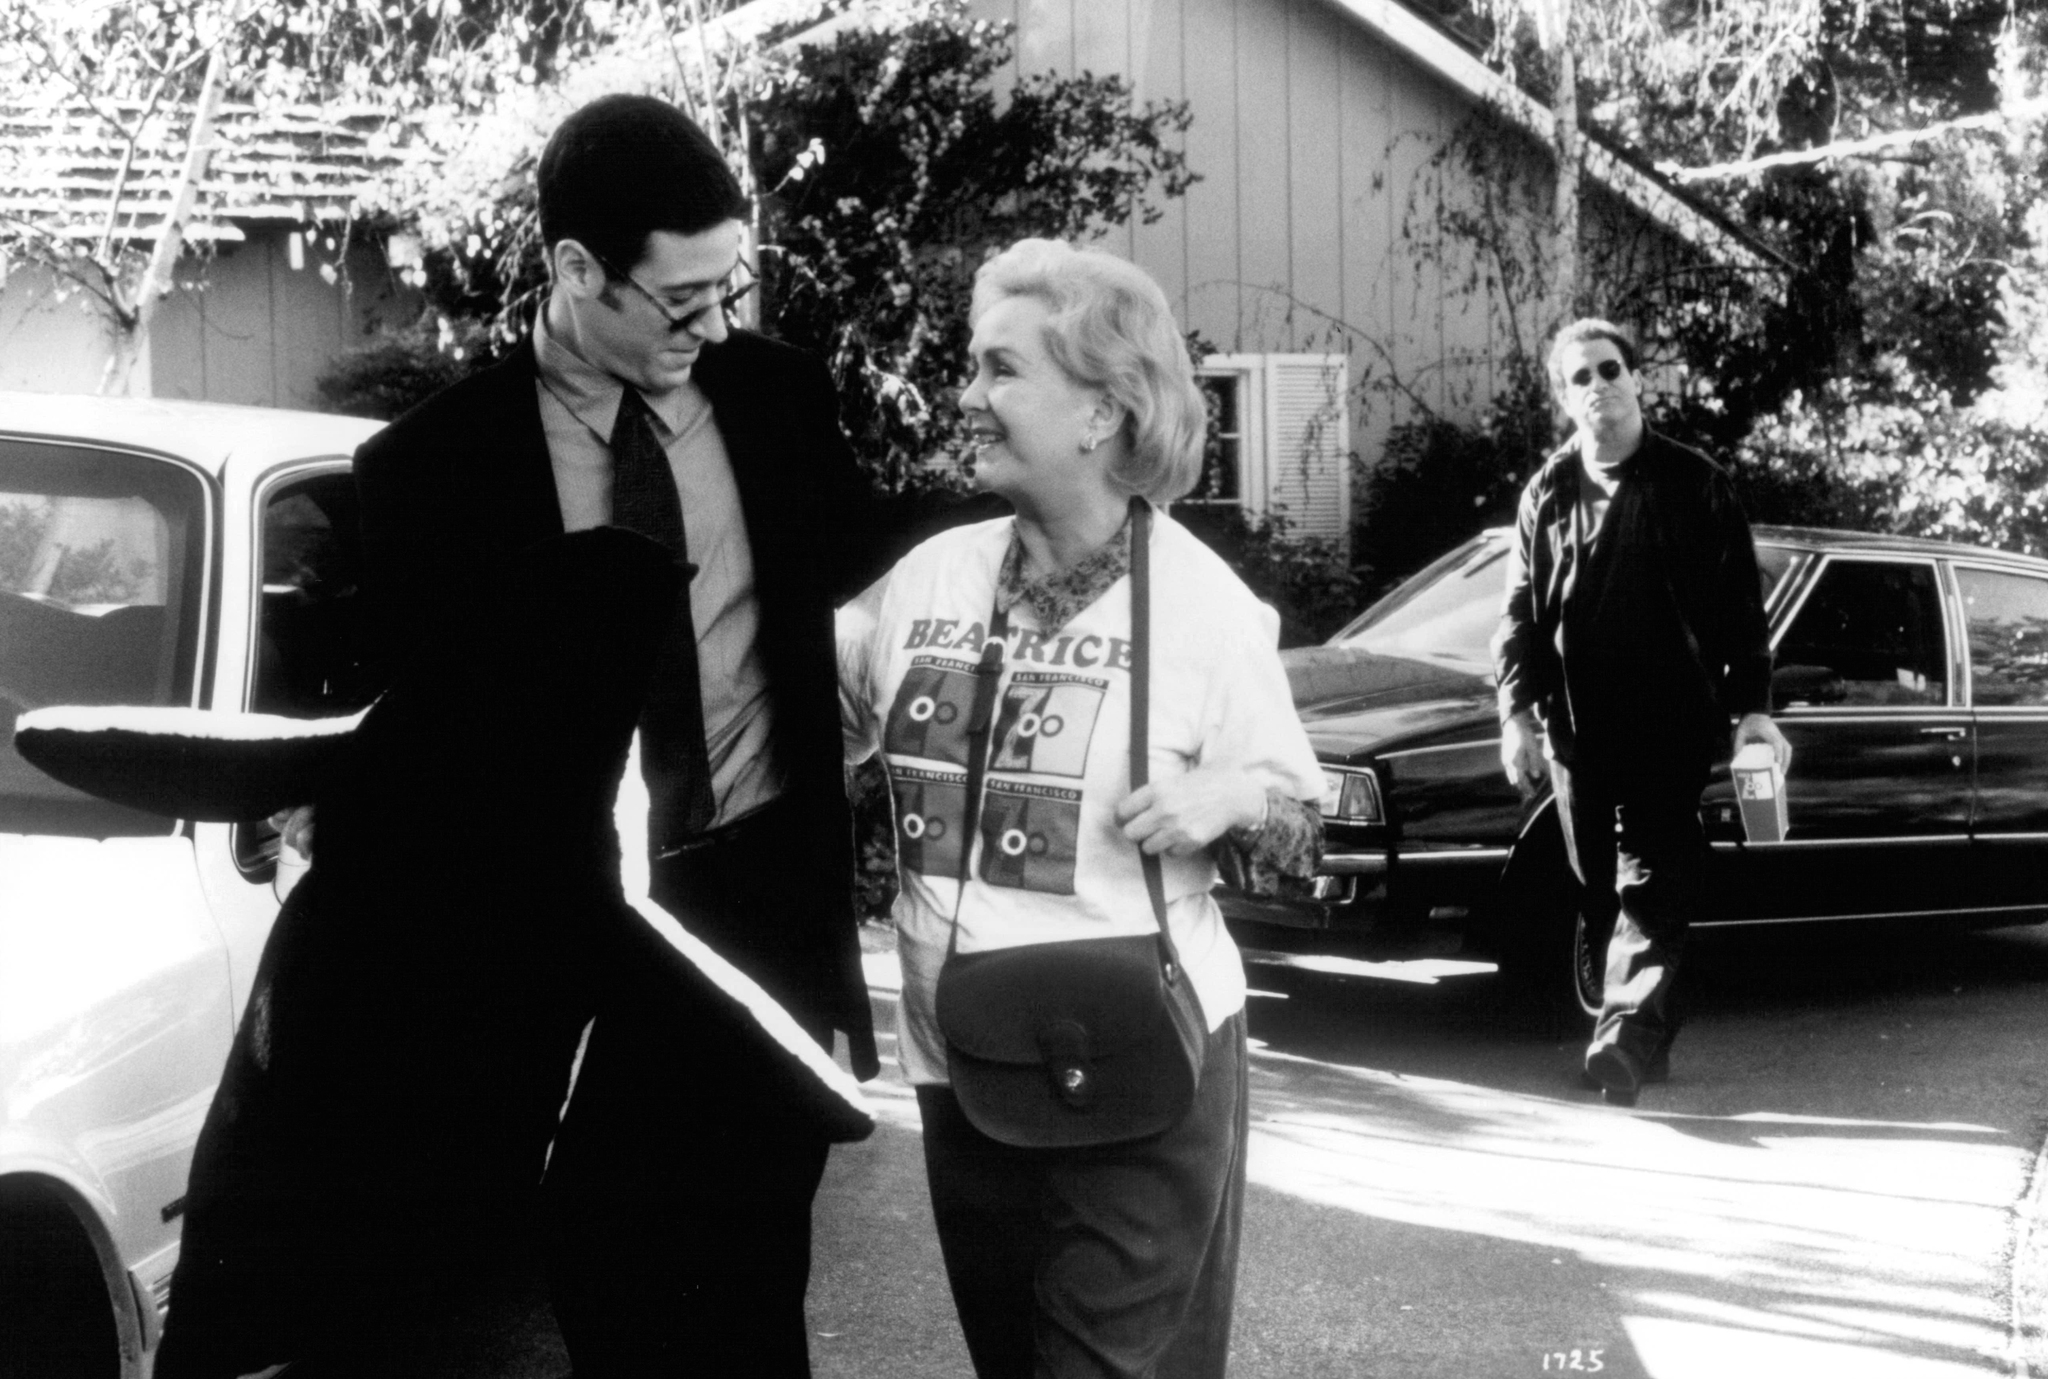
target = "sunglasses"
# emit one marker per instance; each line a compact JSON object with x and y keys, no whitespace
{"x":1610,"y":369}
{"x":680,"y":322}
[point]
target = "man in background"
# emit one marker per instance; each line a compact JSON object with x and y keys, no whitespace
{"x":1632,"y":631}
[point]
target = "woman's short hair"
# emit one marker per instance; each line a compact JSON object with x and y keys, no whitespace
{"x":1577,"y":333}
{"x":1109,"y":326}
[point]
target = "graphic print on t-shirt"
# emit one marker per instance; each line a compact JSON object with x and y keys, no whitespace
{"x":929,"y":717}
{"x":1046,"y":722}
{"x":1028,"y":832}
{"x":931,"y":814}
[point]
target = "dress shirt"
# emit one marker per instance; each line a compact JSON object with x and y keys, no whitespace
{"x":579,"y":405}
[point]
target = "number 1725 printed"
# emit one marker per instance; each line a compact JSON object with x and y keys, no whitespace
{"x":1584,"y":1361}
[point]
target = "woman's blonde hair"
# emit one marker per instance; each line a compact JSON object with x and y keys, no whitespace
{"x":1109,"y":327}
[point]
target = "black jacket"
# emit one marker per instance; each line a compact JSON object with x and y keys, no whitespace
{"x":457,"y":485}
{"x":1646,"y":642}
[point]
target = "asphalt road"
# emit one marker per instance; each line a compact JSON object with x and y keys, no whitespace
{"x":1835,"y":1182}
{"x":1839,"y":1180}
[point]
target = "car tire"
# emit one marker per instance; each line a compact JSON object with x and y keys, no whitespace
{"x":55,"y":1315}
{"x":1589,"y":961}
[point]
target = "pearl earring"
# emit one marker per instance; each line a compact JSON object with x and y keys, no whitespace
{"x":1088,"y":443}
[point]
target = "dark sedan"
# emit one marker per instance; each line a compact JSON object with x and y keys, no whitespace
{"x":1911,"y":677}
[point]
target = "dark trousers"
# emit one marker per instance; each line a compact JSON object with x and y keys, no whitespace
{"x":678,"y":1198}
{"x":1117,"y":1262}
{"x":1634,"y":837}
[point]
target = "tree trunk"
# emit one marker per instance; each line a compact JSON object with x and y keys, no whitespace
{"x":1564,"y":297}
{"x":132,"y":337}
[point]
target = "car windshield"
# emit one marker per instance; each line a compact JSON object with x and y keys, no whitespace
{"x":1446,"y":615}
{"x":1443,"y":616}
{"x":99,"y":600}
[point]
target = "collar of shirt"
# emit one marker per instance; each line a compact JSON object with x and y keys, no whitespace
{"x":592,"y":395}
{"x":1055,"y":598}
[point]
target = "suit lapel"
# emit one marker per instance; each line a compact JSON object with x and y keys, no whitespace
{"x":512,"y":443}
{"x":743,"y":411}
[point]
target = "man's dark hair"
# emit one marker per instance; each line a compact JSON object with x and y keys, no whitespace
{"x":623,"y":167}
{"x":1577,"y":333}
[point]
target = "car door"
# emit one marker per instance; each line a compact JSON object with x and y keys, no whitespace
{"x":1866,"y":688}
{"x":287,"y":647}
{"x":2005,"y":622}
{"x":115,"y":1009}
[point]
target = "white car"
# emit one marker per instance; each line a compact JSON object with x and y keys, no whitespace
{"x":159,"y":553}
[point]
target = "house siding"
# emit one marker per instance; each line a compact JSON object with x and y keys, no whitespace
{"x":243,"y":326}
{"x":260,"y":331}
{"x":54,"y":337}
{"x":1318,"y":225}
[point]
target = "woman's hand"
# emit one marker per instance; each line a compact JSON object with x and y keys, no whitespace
{"x":1187,"y":813}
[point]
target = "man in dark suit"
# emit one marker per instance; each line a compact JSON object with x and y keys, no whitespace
{"x":678,"y":1199}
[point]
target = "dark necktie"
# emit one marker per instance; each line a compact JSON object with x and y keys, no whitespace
{"x":673,"y":756}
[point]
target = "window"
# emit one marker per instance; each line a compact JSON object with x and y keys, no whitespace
{"x":1772,"y":563}
{"x":1279,"y":442}
{"x":306,"y":636}
{"x":1223,"y":448}
{"x":2008,"y":630}
{"x":1444,"y":616}
{"x":100,"y":602}
{"x":1870,"y":633}
{"x":305,"y":663}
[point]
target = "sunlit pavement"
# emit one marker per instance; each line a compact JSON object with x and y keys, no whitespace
{"x":1758,"y":1220}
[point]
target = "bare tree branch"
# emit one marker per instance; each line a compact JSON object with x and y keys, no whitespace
{"x":1869,"y":146}
{"x":131,"y":140}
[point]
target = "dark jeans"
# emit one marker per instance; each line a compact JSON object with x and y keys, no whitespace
{"x":1116,"y":1262}
{"x":1633,"y":834}
{"x":678,"y":1195}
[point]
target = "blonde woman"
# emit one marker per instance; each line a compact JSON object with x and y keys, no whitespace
{"x":1117,"y":1259}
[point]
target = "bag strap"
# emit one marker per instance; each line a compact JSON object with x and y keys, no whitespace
{"x":1141,"y":702}
{"x":988,"y":672}
{"x":980,"y":723}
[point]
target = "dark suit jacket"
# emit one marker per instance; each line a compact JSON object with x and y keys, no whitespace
{"x":456,"y":485}
{"x":1641,"y":646}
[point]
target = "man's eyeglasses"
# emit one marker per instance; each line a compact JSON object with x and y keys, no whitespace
{"x":1610,"y":369}
{"x":732,"y":293}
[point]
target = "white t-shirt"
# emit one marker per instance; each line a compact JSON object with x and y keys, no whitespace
{"x":1051,"y":862}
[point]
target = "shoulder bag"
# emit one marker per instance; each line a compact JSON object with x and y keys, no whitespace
{"x":1084,"y":1042}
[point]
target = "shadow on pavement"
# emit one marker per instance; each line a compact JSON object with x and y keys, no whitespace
{"x":1844,"y":1015}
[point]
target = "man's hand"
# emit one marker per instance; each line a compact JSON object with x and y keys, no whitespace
{"x":295,"y":828}
{"x":1187,"y":813}
{"x":1757,"y":727}
{"x":1521,"y":754}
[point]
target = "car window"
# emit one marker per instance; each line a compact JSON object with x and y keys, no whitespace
{"x":1771,"y":564}
{"x":306,"y":641}
{"x":1870,"y":633}
{"x":100,"y":557}
{"x":1444,"y":616}
{"x":306,"y":637}
{"x":2008,"y":629}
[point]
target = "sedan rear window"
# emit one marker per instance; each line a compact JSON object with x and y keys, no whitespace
{"x":100,"y":557}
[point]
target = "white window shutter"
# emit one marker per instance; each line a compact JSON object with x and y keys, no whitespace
{"x":1308,"y":443}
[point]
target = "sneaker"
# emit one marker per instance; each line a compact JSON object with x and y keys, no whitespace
{"x":1619,"y":1075}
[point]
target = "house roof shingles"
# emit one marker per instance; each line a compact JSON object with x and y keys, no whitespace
{"x":59,"y":168}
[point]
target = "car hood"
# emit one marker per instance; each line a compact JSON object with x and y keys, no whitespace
{"x":1355,"y":703}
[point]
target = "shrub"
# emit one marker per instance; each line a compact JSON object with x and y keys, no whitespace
{"x":1438,"y":483}
{"x":396,"y":370}
{"x":1306,"y":578}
